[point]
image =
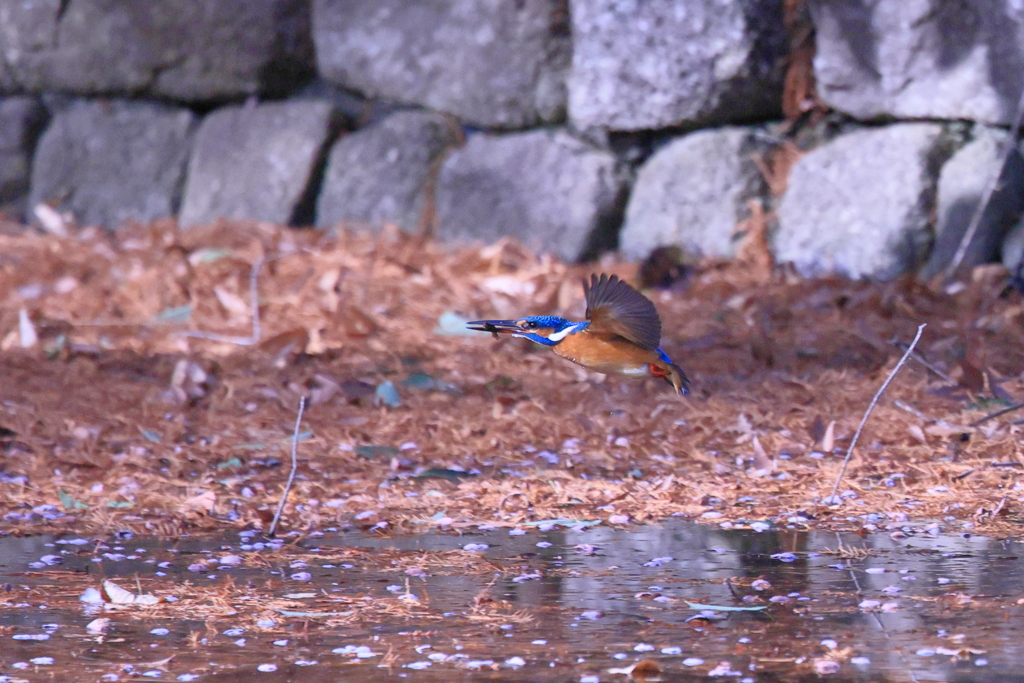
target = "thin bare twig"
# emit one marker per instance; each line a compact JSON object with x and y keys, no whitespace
{"x":832,"y":499}
{"x":992,"y":416}
{"x":963,"y":475}
{"x":921,"y":359}
{"x":912,"y":410}
{"x":998,"y":508}
{"x":295,"y":467}
{"x":254,"y":304}
{"x":990,"y":188}
{"x":254,"y":299}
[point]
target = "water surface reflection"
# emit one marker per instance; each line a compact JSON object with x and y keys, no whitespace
{"x":557,"y":605}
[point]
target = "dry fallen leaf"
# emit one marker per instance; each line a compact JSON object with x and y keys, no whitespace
{"x":761,"y":459}
{"x":119,"y":596}
{"x":27,"y":336}
{"x":203,"y":502}
{"x":645,"y":670}
{"x":946,"y":430}
{"x":231,"y":302}
{"x":917,"y":433}
{"x":828,"y":442}
{"x":97,"y":626}
{"x":51,"y":220}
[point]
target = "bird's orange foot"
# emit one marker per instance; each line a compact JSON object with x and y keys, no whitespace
{"x":655,"y":371}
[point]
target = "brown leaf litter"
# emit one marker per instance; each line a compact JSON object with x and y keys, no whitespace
{"x":130,"y":410}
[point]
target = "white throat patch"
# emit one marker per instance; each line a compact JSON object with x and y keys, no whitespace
{"x":559,"y":336}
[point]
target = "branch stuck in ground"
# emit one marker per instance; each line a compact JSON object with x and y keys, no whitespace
{"x":295,"y":466}
{"x":254,"y":303}
{"x":990,"y":188}
{"x":921,"y":359}
{"x":834,"y":498}
{"x":992,"y":416}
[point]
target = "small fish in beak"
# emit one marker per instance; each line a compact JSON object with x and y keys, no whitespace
{"x":494,"y":326}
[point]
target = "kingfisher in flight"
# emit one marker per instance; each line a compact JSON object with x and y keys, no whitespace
{"x":621,"y":334}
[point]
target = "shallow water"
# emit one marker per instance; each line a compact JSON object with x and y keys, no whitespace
{"x":562,"y":604}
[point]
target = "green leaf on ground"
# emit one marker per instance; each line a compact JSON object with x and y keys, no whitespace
{"x":725,"y":608}
{"x":443,"y":473}
{"x":208,"y":255}
{"x":233,"y":462}
{"x":372,"y":452}
{"x":70,"y":503}
{"x":387,"y":394}
{"x":175,"y":314}
{"x":150,"y":435}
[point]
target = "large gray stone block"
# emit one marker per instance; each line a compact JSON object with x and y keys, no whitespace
{"x":861,"y":204}
{"x":110,"y":162}
{"x":491,"y":63}
{"x":692,"y":193}
{"x":638,"y":64}
{"x":1011,"y":252}
{"x":948,"y":59}
{"x":21,"y":122}
{"x":545,"y":188}
{"x":962,"y":182}
{"x":382,"y":174}
{"x":189,"y":50}
{"x":257,"y":162}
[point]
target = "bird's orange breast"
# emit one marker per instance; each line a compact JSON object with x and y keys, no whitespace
{"x":606,"y":355}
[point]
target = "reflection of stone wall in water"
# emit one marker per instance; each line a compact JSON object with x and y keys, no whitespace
{"x":690,"y":563}
{"x":573,"y":125}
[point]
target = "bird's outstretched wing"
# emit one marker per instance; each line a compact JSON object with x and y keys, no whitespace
{"x":613,"y":307}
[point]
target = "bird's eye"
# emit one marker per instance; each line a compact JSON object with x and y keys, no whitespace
{"x":530,"y":324}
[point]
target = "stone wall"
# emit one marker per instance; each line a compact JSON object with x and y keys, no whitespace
{"x":868,"y":130}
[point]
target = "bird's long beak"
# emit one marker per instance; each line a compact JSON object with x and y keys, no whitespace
{"x":494,"y":326}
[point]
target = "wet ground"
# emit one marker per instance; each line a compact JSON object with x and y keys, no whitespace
{"x":550,"y":602}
